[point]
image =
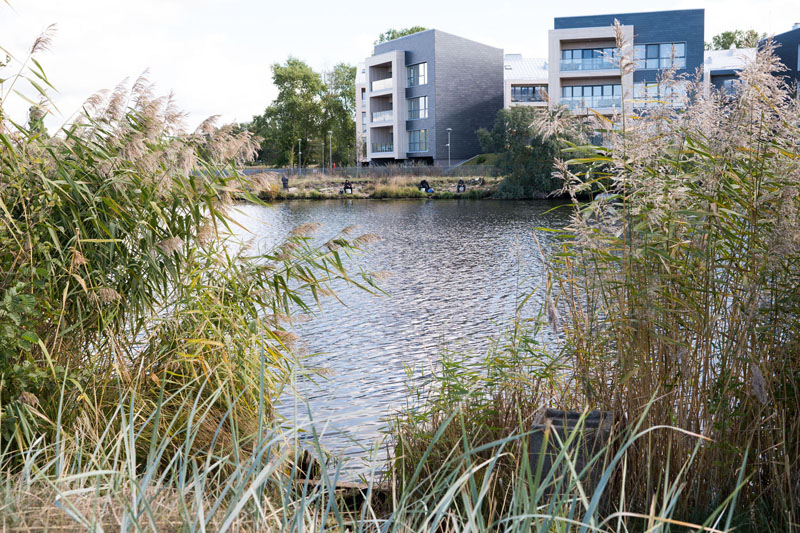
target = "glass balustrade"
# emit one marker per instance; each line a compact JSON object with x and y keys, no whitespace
{"x":379,"y":85}
{"x":594,"y":63}
{"x":378,"y":148}
{"x":591,"y":102}
{"x":382,"y":116}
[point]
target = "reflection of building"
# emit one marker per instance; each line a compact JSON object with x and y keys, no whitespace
{"x":525,"y":81}
{"x":412,"y":89}
{"x":583,"y":72}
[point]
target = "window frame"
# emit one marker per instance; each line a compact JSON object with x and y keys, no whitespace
{"x":418,"y":144}
{"x":419,"y":110}
{"x":419,"y":75}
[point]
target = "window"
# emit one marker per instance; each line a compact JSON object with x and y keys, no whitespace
{"x":595,"y":96}
{"x":417,"y":74}
{"x":363,"y":122}
{"x":363,"y":97}
{"x":731,"y":87}
{"x":662,"y":55}
{"x":589,"y":59}
{"x":528,"y":93}
{"x":418,"y":107}
{"x":418,"y":141}
{"x":651,"y":94}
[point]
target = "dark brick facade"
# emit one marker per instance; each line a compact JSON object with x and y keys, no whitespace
{"x":686,"y":25}
{"x":787,"y":50}
{"x":464,"y":90}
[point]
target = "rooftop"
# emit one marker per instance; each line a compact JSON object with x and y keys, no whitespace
{"x":733,"y":59}
{"x":517,"y":67}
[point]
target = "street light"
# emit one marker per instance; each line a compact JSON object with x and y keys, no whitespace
{"x":322,"y":161}
{"x":299,"y":158}
{"x":448,"y":147}
{"x":330,"y":151}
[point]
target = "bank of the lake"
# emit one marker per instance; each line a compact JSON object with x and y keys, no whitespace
{"x":269,"y":187}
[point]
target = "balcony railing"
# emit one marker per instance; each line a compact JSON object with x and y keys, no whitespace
{"x":592,"y":101}
{"x":595,"y":63}
{"x":379,"y":85}
{"x":382,"y":116}
{"x":378,"y":148}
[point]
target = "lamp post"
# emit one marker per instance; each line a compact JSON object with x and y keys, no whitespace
{"x":299,"y":158}
{"x":448,"y":147}
{"x":330,"y":151}
{"x":322,"y":161}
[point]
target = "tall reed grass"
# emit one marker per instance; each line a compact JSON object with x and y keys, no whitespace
{"x":680,"y":286}
{"x":121,"y":274}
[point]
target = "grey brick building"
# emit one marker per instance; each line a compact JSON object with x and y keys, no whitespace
{"x":582,"y":70}
{"x":413,"y":89}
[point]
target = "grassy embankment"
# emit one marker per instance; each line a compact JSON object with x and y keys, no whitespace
{"x":320,"y":187}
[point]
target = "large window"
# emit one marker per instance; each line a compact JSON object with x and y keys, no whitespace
{"x":528,"y":93}
{"x":418,"y":107}
{"x":589,"y":59}
{"x":661,"y":55}
{"x":583,"y":96}
{"x":417,"y":74}
{"x":651,"y":94}
{"x":418,"y":141}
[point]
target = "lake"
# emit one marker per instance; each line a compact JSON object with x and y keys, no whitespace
{"x":458,"y":269}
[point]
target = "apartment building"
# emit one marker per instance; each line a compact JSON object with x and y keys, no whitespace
{"x":416,"y":91}
{"x":721,"y":68}
{"x":582,"y":69}
{"x":525,"y":81}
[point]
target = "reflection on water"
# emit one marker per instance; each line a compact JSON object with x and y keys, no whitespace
{"x":457,"y":268}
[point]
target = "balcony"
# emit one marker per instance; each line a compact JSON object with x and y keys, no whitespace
{"x":383,"y":116}
{"x":595,"y":63}
{"x":594,"y":102}
{"x":379,"y":85}
{"x":378,"y":148}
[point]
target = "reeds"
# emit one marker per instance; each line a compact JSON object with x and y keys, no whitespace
{"x":122,"y":272}
{"x":681,"y":285}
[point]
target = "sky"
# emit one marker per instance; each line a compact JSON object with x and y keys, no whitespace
{"x":215,"y":55}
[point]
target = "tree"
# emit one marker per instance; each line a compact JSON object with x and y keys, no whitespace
{"x":339,"y":107}
{"x":735,"y":39}
{"x":294,"y":114}
{"x":524,"y":156}
{"x":392,"y":33}
{"x":308,"y":105}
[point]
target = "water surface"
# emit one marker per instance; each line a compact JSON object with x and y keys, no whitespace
{"x":458,"y":269}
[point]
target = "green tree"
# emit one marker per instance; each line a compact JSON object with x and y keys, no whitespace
{"x":392,"y":33}
{"x":339,"y":107}
{"x":296,"y":113}
{"x":524,"y":156}
{"x":735,"y":39}
{"x":308,"y":105}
